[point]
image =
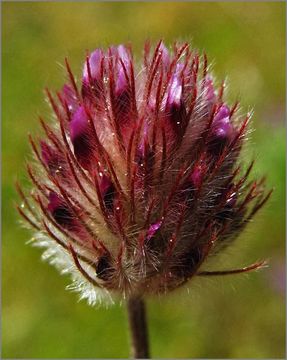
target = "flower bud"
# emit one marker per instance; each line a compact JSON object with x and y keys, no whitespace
{"x":140,"y":182}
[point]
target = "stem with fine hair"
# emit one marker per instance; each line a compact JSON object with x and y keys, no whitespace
{"x":138,"y":327}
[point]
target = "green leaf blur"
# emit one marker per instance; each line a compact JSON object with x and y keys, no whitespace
{"x":231,"y":317}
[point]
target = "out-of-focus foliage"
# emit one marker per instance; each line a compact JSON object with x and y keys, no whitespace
{"x":239,"y":316}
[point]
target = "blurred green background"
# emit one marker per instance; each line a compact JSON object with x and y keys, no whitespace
{"x":232,"y":317}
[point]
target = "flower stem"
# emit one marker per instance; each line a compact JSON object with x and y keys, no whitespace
{"x":138,"y":328}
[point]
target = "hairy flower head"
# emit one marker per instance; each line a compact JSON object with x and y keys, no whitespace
{"x":137,"y":180}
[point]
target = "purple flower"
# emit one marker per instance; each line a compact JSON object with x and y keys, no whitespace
{"x":140,"y":180}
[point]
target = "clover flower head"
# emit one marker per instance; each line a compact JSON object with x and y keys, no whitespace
{"x":137,"y":180}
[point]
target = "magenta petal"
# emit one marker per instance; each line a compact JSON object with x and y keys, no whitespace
{"x":153,"y":229}
{"x":175,"y":92}
{"x":54,"y":201}
{"x":221,"y":123}
{"x":69,"y":97}
{"x":105,"y":183}
{"x":80,"y":137}
{"x":196,"y":177}
{"x":92,"y":84}
{"x":124,"y":55}
{"x":122,"y":109}
{"x":60,"y":211}
{"x":223,"y":112}
{"x":175,"y":111}
{"x":51,"y":158}
{"x":152,"y":103}
{"x":222,"y":130}
{"x":164,"y":55}
{"x":79,"y":124}
{"x":121,"y":83}
{"x":210,"y":93}
{"x":145,"y":154}
{"x":123,"y":105}
{"x":123,"y":61}
{"x":95,"y":66}
{"x":145,"y":158}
